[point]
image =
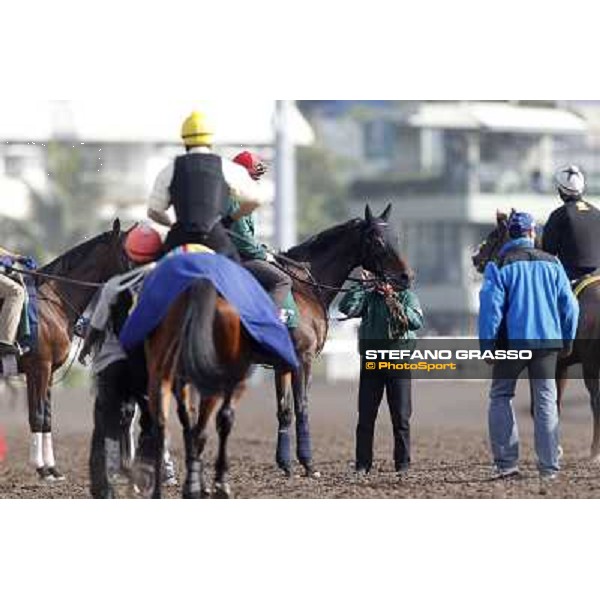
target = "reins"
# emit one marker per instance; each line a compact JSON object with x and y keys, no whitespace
{"x":58,"y":278}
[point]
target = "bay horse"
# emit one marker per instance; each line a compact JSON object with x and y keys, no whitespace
{"x":201,"y":340}
{"x":586,"y":347}
{"x":328,"y":258}
{"x":61,"y":304}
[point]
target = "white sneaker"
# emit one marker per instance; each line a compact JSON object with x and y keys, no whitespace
{"x":510,"y":473}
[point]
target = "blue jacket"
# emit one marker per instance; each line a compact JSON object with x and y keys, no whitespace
{"x":526,"y":298}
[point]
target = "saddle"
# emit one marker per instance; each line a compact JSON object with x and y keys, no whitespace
{"x":27,"y":333}
{"x":579,"y":285}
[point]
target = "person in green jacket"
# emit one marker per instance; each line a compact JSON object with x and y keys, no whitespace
{"x":390,"y":314}
{"x":254,"y":256}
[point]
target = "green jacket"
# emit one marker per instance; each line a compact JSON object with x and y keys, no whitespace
{"x":244,"y":236}
{"x":376,"y":316}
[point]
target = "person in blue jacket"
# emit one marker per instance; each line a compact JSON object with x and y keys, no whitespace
{"x":526,"y":302}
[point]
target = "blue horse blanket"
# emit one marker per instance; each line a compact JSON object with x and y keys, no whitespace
{"x":174,"y":274}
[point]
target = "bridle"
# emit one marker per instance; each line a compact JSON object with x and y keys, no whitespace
{"x":492,"y":252}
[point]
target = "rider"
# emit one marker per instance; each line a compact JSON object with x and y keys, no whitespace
{"x":255,"y":257}
{"x":572,"y":233}
{"x":12,"y":295}
{"x":198,"y":185}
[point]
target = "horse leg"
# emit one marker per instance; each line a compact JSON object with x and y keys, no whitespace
{"x":283,"y":392}
{"x":562,"y":371}
{"x":38,"y":379}
{"x":192,"y":487}
{"x":301,"y":382}
{"x":590,"y":376}
{"x":208,"y":405}
{"x":159,"y":394}
{"x":225,"y":418}
{"x":127,"y":440}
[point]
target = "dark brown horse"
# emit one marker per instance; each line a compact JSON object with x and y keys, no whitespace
{"x":329,"y":258}
{"x":60,"y":305}
{"x":201,"y":342}
{"x":202,"y":336}
{"x":586,"y":349}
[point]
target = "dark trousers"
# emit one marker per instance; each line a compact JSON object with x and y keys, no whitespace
{"x":119,"y":387}
{"x":217,"y":240}
{"x":112,"y":397}
{"x":277,"y":283}
{"x":370,"y":394}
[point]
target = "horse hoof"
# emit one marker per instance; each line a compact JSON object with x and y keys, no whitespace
{"x":222,"y":491}
{"x":44,"y":474}
{"x":311,"y":472}
{"x":142,"y":479}
{"x":286,"y":470}
{"x":191,"y":492}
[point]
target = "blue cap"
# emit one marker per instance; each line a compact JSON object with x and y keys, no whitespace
{"x":520,"y":224}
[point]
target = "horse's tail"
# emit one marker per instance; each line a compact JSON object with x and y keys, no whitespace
{"x":199,"y":357}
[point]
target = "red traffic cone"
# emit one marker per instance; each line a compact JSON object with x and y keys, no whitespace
{"x":3,"y":446}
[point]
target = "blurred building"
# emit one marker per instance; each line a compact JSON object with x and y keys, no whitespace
{"x":446,"y":167}
{"x":120,"y":146}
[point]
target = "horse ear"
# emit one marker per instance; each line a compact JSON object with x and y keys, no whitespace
{"x":116,"y":226}
{"x":368,"y":213}
{"x":385,"y":215}
{"x":500,"y":217}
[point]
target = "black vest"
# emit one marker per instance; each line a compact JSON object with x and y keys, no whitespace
{"x":579,"y":234}
{"x":198,"y":192}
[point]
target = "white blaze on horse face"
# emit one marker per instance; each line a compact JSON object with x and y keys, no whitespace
{"x":35,"y":451}
{"x":47,"y":450}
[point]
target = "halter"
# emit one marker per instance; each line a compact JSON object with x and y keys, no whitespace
{"x":493,"y":253}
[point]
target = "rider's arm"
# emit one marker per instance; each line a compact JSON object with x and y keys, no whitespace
{"x":160,"y":197}
{"x":551,"y":234}
{"x":250,"y":194}
{"x":491,"y":307}
{"x":244,"y":240}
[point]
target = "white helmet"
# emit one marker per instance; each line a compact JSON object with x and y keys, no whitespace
{"x":570,"y":181}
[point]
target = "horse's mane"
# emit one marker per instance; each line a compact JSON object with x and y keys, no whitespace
{"x":70,"y":259}
{"x":319,"y":242}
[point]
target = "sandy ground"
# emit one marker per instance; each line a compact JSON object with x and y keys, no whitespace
{"x":450,"y":452}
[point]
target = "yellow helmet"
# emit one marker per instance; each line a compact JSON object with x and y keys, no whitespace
{"x":196,"y":130}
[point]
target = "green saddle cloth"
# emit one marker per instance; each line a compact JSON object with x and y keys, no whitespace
{"x":292,"y":314}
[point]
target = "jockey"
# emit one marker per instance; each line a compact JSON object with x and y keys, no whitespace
{"x":121,"y":379}
{"x":198,"y":185}
{"x":12,"y":295}
{"x":572,"y":233}
{"x":254,"y":256}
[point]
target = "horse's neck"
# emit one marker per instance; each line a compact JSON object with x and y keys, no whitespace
{"x":333,"y":267}
{"x":75,"y":298}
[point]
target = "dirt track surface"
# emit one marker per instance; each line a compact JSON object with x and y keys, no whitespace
{"x":450,"y":451}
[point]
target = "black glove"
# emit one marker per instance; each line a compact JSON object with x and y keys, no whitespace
{"x":227,"y":221}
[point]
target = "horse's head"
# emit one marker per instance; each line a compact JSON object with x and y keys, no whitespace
{"x":380,"y":246}
{"x":95,"y":260}
{"x":490,"y":247}
{"x":109,"y":252}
